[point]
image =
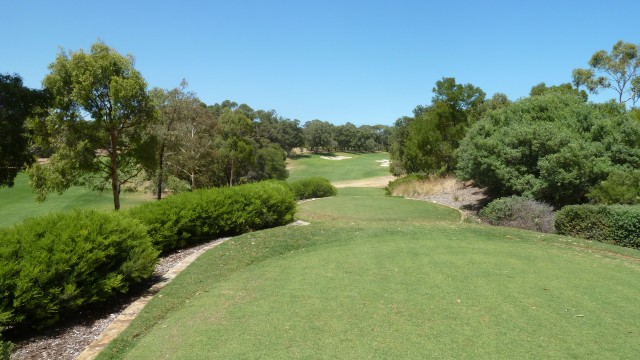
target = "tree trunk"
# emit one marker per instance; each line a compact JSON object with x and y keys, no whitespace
{"x":115,"y":183}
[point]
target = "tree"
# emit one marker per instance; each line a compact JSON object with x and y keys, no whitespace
{"x":181,"y":116}
{"x":237,"y":150}
{"x":318,"y":134}
{"x":552,"y":147}
{"x":617,"y":70}
{"x":100,"y":110}
{"x":565,"y":88}
{"x":436,"y":131}
{"x":17,"y":103}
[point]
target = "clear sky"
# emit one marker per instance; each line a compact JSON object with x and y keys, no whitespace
{"x":367,"y":62}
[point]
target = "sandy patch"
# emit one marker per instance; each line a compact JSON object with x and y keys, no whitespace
{"x":376,"y":182}
{"x":384,"y":163}
{"x":340,"y":157}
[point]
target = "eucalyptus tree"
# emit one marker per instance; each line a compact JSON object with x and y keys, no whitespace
{"x":97,"y":120}
{"x":617,"y":70}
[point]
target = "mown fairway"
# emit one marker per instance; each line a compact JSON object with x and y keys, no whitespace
{"x":359,"y":166}
{"x":18,"y":202}
{"x":377,"y":277}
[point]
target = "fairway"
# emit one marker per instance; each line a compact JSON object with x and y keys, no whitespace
{"x":17,"y":202}
{"x":354,"y":166}
{"x":381,"y":278}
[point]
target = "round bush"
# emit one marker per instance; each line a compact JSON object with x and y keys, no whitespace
{"x":314,"y":187}
{"x":57,"y":264}
{"x":519,"y":212}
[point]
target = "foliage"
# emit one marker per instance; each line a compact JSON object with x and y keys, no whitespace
{"x":100,"y":109}
{"x":619,"y":71}
{"x":17,"y":103}
{"x":183,"y":130}
{"x":519,"y":212}
{"x":193,"y":217}
{"x":55,"y":265}
{"x":5,"y":348}
{"x":426,"y":143}
{"x":566,"y":88}
{"x":621,"y":187}
{"x":319,"y":135}
{"x":314,"y":187}
{"x":614,"y":224}
{"x":552,"y":147}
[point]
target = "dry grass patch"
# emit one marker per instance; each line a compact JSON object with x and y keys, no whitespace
{"x":415,"y":187}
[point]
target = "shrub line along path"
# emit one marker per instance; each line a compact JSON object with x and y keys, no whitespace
{"x":124,"y":319}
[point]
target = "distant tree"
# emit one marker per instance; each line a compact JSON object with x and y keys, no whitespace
{"x":617,"y":70}
{"x":184,"y":133}
{"x":100,"y":111}
{"x":237,"y":149}
{"x":17,"y":103}
{"x":565,"y":88}
{"x":318,"y":135}
{"x":288,"y":134}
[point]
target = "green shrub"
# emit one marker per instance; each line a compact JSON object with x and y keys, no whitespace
{"x":54,"y":265}
{"x":519,"y":212}
{"x":615,"y":224}
{"x":314,"y":187}
{"x":193,"y":217}
{"x":621,"y":187}
{"x":5,"y":349}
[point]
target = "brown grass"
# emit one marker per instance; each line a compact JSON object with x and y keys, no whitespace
{"x":431,"y":186}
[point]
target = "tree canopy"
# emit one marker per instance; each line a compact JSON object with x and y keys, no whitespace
{"x":17,"y":103}
{"x":617,"y":70}
{"x":553,"y":147}
{"x":100,"y":108}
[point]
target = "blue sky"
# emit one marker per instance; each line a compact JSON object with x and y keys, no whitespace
{"x":367,"y":62}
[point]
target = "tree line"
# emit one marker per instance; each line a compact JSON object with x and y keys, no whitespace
{"x":99,"y":125}
{"x":554,"y":145}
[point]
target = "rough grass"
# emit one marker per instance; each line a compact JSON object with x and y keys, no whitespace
{"x":353,"y":285}
{"x":17,"y":203}
{"x":428,"y":186}
{"x":359,"y":166}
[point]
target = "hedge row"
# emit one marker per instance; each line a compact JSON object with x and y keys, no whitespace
{"x":189,"y":218}
{"x":53,"y":265}
{"x":58,"y":264}
{"x":313,"y":187}
{"x":614,"y":224}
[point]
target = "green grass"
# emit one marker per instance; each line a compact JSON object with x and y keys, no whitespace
{"x":360,"y":166}
{"x":17,"y":202}
{"x":388,"y":278}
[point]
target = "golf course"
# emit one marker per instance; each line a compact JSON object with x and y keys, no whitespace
{"x":377,"y":277}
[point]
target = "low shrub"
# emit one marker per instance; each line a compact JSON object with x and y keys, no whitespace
{"x":519,"y":212}
{"x":54,"y":265}
{"x":189,"y":218}
{"x":314,"y":187}
{"x":614,"y":224}
{"x":403,"y":181}
{"x":5,"y":349}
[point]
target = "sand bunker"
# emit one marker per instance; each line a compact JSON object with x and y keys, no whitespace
{"x":335,"y":157}
{"x":384,"y":163}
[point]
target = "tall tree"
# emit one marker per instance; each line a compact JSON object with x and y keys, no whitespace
{"x":437,"y":130}
{"x":181,"y":116}
{"x":17,"y":103}
{"x":100,"y":110}
{"x":617,"y":70}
